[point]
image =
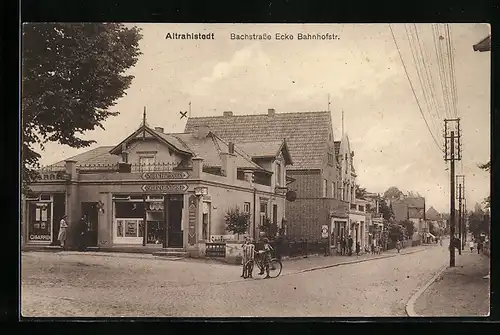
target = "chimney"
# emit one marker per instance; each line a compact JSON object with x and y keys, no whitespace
{"x":197,"y":167}
{"x":201,"y":132}
{"x":70,"y":168}
{"x":159,"y":129}
{"x":231,"y":147}
{"x":271,"y":112}
{"x":228,"y":113}
{"x":229,"y":166}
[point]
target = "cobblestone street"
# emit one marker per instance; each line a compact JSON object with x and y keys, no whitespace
{"x":84,"y":285}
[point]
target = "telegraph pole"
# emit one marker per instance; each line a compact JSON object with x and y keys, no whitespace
{"x":452,"y":154}
{"x":460,"y":183}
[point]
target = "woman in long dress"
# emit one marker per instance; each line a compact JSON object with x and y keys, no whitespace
{"x":63,"y":231}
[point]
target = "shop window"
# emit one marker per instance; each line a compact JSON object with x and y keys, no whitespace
{"x":40,"y":222}
{"x":129,"y":210}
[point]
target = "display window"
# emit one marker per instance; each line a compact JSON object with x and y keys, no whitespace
{"x":129,"y":213}
{"x":40,"y":221}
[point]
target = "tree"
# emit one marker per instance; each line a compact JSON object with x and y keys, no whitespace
{"x":71,"y":74}
{"x":479,"y":221}
{"x":486,"y":167}
{"x":409,"y":227}
{"x":392,"y":193}
{"x":395,"y":231}
{"x":237,"y":222}
{"x":360,"y":192}
{"x":386,"y":211}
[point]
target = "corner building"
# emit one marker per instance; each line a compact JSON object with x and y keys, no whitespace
{"x":155,"y":190}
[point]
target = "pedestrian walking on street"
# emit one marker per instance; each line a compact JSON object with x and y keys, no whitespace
{"x":343,"y":246}
{"x":471,"y":246}
{"x":479,"y":246}
{"x":358,"y":248}
{"x":398,"y":245}
{"x":63,"y":227}
{"x":350,"y":242}
{"x":280,"y":239}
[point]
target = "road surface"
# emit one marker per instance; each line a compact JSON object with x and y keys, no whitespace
{"x":82,"y":285}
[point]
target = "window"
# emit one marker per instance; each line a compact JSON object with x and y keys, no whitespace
{"x":333,"y":189}
{"x":246,"y":207}
{"x":263,"y":212}
{"x":325,"y":188}
{"x":278,"y":174}
{"x":146,"y":163}
{"x":361,"y":208}
{"x":330,"y":159}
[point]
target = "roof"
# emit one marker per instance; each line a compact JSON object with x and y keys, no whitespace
{"x":415,"y":202}
{"x":99,"y":155}
{"x":306,"y":133}
{"x":433,"y":214}
{"x":483,"y":45}
{"x":266,"y":149}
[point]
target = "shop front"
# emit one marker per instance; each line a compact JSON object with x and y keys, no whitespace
{"x":43,"y":213}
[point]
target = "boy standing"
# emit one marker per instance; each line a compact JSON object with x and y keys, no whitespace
{"x":248,"y":255}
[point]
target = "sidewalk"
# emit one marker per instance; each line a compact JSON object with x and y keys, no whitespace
{"x":293,"y":265}
{"x":318,"y":262}
{"x":459,"y":291}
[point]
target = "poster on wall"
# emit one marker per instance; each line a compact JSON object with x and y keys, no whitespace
{"x":37,"y":214}
{"x":192,"y":220}
{"x":44,"y":214}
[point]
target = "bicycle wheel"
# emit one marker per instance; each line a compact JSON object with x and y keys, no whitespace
{"x":275,"y":268}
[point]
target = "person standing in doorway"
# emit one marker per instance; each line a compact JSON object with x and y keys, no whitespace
{"x":350,"y":242}
{"x":342,"y":246}
{"x":82,"y":233}
{"x":358,"y":248}
{"x":63,"y":231}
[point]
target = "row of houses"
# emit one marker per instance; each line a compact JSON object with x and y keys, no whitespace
{"x":157,"y":190}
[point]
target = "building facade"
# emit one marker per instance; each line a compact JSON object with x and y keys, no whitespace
{"x":155,"y":190}
{"x":315,"y":170}
{"x":412,"y":209}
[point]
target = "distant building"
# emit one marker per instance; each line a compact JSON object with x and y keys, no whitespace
{"x":412,"y":209}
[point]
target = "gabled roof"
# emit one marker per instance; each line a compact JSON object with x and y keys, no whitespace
{"x":415,"y":202}
{"x":483,"y":45}
{"x":99,"y":155}
{"x":306,"y":133}
{"x":166,"y":139}
{"x":433,"y":214}
{"x":210,"y":148}
{"x":270,"y":149}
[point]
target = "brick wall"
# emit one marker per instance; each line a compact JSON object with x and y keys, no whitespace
{"x":306,"y":216}
{"x":307,"y":184}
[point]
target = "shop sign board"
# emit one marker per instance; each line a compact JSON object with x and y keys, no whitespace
{"x":54,"y":175}
{"x":168,"y":188}
{"x":39,"y":237}
{"x":192,"y":214}
{"x":166,"y":175}
{"x":324,"y":231}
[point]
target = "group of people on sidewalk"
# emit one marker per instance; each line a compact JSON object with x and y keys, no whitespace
{"x":345,"y":246}
{"x":476,"y":244}
{"x":81,"y":233}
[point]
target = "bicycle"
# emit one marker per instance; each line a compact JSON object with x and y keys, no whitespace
{"x":275,"y":265}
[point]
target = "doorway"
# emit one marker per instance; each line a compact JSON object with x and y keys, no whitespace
{"x":174,"y":221}
{"x":90,"y":209}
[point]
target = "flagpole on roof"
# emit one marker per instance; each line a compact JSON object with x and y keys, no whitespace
{"x":144,"y":124}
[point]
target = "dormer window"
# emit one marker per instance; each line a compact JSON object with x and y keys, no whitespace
{"x":278,"y":173}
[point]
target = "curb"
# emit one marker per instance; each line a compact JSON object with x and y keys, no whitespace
{"x":356,"y":261}
{"x":410,"y":305}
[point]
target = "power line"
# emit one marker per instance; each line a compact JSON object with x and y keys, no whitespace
{"x":413,"y":90}
{"x":442,"y":76}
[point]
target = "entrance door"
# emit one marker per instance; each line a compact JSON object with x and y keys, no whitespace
{"x":90,"y":209}
{"x":175,"y":233}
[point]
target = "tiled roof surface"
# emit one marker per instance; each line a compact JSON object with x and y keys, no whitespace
{"x":261,"y":149}
{"x":306,"y":133}
{"x":173,"y":140}
{"x":99,"y":155}
{"x":433,"y":214}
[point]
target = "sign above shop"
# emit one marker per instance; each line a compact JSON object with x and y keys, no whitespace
{"x":166,"y":175}
{"x":54,"y":175}
{"x":169,"y":188}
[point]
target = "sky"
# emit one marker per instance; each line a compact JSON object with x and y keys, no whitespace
{"x":362,"y":73}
